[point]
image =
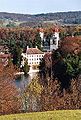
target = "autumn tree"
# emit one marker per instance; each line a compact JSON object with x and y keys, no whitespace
{"x":10,"y":101}
{"x":32,"y":95}
{"x":70,"y":45}
{"x":53,"y":99}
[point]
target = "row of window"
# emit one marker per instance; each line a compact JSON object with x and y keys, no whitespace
{"x":35,"y":55}
{"x":34,"y":59}
{"x":34,"y":63}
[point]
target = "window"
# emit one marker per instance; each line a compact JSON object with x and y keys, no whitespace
{"x":39,"y":55}
{"x":34,"y":59}
{"x":40,"y":59}
{"x":54,"y":41}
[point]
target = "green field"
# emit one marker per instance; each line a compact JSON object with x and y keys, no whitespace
{"x":50,"y":115}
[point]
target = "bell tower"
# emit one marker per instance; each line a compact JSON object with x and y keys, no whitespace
{"x":54,"y":41}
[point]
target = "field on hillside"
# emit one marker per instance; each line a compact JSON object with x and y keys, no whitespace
{"x":50,"y":115}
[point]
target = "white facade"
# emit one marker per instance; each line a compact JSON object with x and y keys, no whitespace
{"x":41,"y":35}
{"x":32,"y":58}
{"x":54,"y":41}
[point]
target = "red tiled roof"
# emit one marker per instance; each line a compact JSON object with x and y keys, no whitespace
{"x":41,"y":30}
{"x":56,"y":29}
{"x":33,"y":51}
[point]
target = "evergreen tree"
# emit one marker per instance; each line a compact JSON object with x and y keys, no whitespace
{"x":17,"y":55}
{"x":37,"y":41}
{"x":26,"y":67}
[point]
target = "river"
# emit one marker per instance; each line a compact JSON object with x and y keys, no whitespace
{"x":23,"y":81}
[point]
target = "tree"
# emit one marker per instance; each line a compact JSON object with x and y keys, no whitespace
{"x":26,"y":67}
{"x":37,"y":41}
{"x":70,"y":45}
{"x":10,"y":101}
{"x":73,"y":63}
{"x":66,"y":67}
{"x":32,"y":95}
{"x":17,"y":55}
{"x":11,"y":25}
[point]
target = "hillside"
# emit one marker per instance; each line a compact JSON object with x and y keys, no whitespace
{"x":50,"y":115}
{"x":61,"y":17}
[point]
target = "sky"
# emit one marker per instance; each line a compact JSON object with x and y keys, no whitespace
{"x":39,"y":6}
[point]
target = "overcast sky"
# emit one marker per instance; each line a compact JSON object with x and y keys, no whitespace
{"x":39,"y":6}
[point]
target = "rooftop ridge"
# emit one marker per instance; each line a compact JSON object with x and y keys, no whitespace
{"x":33,"y":51}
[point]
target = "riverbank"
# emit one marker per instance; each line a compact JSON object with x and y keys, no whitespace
{"x":49,"y":115}
{"x":19,"y":73}
{"x":30,"y":72}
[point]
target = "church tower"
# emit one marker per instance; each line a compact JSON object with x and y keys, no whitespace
{"x":54,"y":41}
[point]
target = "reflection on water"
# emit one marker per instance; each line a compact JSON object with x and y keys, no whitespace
{"x":23,"y":81}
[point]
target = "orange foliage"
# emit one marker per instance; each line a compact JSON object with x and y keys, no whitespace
{"x":10,"y":101}
{"x":53,"y":99}
{"x":71,"y":44}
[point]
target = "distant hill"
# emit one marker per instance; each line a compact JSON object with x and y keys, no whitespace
{"x":61,"y":17}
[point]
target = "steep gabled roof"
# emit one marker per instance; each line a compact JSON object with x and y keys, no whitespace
{"x":33,"y":51}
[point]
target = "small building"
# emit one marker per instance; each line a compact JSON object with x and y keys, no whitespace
{"x":33,"y":56}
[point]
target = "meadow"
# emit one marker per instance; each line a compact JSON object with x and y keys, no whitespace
{"x":49,"y":115}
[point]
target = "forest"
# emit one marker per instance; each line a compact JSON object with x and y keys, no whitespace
{"x":57,"y":86}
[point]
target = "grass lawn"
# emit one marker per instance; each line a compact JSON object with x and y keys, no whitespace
{"x":50,"y":115}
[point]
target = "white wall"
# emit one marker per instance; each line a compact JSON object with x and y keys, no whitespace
{"x":34,"y":59}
